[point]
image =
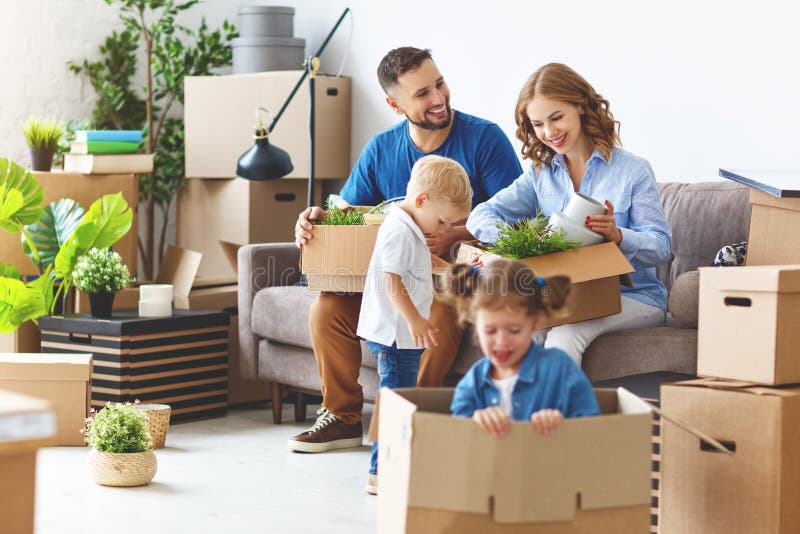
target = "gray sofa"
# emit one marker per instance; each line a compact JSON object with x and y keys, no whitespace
{"x":273,"y":314}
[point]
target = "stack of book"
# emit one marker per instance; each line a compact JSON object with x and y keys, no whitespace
{"x":107,"y":152}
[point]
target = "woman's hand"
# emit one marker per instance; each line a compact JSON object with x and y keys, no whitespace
{"x":492,"y":420}
{"x":546,"y":421}
{"x":605,"y":225}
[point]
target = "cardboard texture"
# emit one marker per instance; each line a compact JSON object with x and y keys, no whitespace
{"x":748,"y":321}
{"x":754,"y":490}
{"x":596,"y":272}
{"x":769,"y":240}
{"x":239,"y":212}
{"x":64,"y":380}
{"x":17,"y":492}
{"x":219,"y":128}
{"x":337,"y":258}
{"x":437,"y":471}
{"x":84,"y":189}
{"x":26,"y":338}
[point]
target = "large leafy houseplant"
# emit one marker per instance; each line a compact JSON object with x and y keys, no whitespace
{"x":21,"y":211}
{"x":171,"y":52}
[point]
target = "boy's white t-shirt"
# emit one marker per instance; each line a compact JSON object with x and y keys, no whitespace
{"x":400,"y":248}
{"x":506,"y":387}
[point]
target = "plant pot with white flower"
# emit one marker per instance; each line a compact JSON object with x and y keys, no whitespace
{"x":121,"y":452}
{"x":101,"y":274}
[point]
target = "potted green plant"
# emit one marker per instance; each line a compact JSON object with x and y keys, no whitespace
{"x":101,"y":273}
{"x":42,"y":136}
{"x":121,"y":452}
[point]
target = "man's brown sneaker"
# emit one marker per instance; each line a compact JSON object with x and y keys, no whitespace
{"x":326,"y":434}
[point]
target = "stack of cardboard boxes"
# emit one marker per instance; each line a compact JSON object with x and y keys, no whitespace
{"x":748,"y":338}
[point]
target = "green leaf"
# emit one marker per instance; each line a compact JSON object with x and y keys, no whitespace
{"x":18,"y":304}
{"x":21,"y":196}
{"x":44,"y":287}
{"x":56,"y":226}
{"x":9,"y":271}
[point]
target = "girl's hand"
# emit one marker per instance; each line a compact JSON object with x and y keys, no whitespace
{"x":492,"y":420}
{"x":605,"y":225}
{"x":546,"y":421}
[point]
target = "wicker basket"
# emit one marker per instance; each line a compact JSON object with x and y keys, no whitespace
{"x":122,"y":468}
{"x":157,"y":422}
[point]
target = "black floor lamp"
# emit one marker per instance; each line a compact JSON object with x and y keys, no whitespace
{"x":267,"y":162}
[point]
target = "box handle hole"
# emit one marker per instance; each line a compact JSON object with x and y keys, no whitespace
{"x":332,"y":91}
{"x":738,"y":301}
{"x":707,"y":447}
{"x":285,"y":197}
{"x":77,"y":338}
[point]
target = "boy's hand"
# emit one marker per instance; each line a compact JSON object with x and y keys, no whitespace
{"x":546,"y":421}
{"x":423,"y":332}
{"x":492,"y":420}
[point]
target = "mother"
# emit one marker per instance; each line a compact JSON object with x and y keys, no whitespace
{"x":569,"y":134}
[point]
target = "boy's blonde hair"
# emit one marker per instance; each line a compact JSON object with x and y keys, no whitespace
{"x":441,"y":178}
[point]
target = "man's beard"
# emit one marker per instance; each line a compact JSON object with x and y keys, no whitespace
{"x":427,"y":125}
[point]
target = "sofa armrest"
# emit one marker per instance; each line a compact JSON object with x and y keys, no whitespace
{"x":261,"y":266}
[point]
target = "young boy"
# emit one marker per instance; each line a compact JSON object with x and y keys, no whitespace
{"x":399,"y":288}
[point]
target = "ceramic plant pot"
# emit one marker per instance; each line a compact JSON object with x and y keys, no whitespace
{"x":42,"y":159}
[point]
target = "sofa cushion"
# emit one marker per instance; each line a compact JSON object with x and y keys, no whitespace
{"x":281,"y":314}
{"x":683,"y":299}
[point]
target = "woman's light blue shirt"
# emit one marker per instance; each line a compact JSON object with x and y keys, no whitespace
{"x":626,"y":180}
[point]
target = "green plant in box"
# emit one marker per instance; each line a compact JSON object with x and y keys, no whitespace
{"x":337,"y":216}
{"x":532,"y":237}
{"x":119,"y":428}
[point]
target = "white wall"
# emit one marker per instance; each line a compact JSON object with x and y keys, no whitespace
{"x":696,"y":85}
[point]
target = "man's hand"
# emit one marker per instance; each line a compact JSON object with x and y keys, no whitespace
{"x":422,"y":332}
{"x":441,"y":243}
{"x":546,"y":421}
{"x":492,"y":420}
{"x":302,"y":230}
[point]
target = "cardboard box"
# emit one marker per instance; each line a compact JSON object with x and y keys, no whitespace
{"x":443,"y":474}
{"x":771,"y":240}
{"x":85,"y":189}
{"x":238,"y":212}
{"x":26,"y":338}
{"x":757,"y":488}
{"x":26,"y":423}
{"x":64,"y":380}
{"x":337,"y":258}
{"x":596,"y":273}
{"x":749,"y":323}
{"x":219,"y":116}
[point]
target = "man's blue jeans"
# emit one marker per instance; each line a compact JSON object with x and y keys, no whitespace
{"x":397,"y":368}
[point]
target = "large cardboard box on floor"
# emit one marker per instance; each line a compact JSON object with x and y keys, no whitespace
{"x":26,"y":423}
{"x":442,"y":474}
{"x":749,"y":323}
{"x":757,"y":488}
{"x":215,"y":214}
{"x":85,"y":189}
{"x":64,"y":380}
{"x":219,"y":117}
{"x":596,"y":273}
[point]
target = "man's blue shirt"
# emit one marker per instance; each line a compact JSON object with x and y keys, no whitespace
{"x":384,"y":167}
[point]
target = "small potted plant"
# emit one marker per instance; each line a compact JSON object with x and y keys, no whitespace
{"x":42,"y":136}
{"x":101,"y":274}
{"x":121,"y":452}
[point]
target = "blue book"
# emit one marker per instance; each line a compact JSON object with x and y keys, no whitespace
{"x":84,"y":136}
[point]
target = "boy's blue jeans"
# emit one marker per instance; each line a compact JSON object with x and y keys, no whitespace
{"x":397,"y":368}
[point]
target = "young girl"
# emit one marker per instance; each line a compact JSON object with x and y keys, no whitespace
{"x":572,"y":141}
{"x":518,"y":379}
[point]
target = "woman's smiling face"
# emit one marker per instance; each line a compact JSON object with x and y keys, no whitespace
{"x":557,"y":124}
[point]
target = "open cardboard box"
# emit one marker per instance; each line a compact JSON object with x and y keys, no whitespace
{"x":758,"y":308}
{"x":179,"y":268}
{"x":438,"y":473}
{"x":596,"y":273}
{"x":64,"y":380}
{"x":754,"y":489}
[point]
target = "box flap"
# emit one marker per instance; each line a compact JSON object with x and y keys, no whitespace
{"x":581,"y":264}
{"x":767,"y":278}
{"x":47,"y":366}
{"x":777,"y":183}
{"x":231,"y":251}
{"x":342,"y":250}
{"x":179,"y":268}
{"x":791,"y":390}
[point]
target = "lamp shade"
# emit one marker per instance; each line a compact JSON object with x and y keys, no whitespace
{"x":263,"y":161}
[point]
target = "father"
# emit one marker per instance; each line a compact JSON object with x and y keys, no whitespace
{"x":415,"y":88}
